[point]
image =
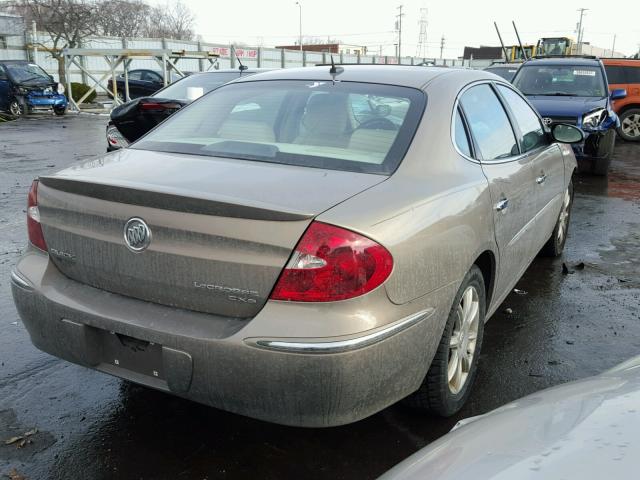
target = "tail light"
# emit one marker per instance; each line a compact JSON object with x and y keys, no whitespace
{"x":154,"y":106}
{"x":34,"y":228}
{"x":331,"y":263}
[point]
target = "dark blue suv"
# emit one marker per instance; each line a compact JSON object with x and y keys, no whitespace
{"x":574,"y":90}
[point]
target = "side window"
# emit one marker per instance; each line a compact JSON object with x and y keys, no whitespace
{"x":460,"y":132}
{"x":533,"y":135}
{"x":615,"y":74}
{"x":3,"y":75}
{"x":135,"y":75}
{"x":152,"y":77}
{"x":489,"y":123}
{"x":633,"y":74}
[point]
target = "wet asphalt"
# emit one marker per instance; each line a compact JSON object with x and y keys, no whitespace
{"x":558,"y":327}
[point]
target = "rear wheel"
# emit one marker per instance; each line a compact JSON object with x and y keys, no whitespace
{"x":60,"y":111}
{"x":630,"y":125}
{"x":448,"y":382}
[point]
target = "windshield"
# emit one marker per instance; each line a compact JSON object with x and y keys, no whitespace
{"x":505,"y":72}
{"x":26,"y":72}
{"x":561,"y":80}
{"x":555,"y":46}
{"x":343,"y":126}
{"x":194,"y":86}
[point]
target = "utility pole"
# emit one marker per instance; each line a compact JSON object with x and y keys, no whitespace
{"x":399,"y":28}
{"x":580,"y":30}
{"x":613,"y":47}
{"x":300,"y":24}
{"x":441,"y":45}
{"x":421,"y":49}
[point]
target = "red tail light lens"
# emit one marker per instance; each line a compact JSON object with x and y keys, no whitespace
{"x":34,"y":228}
{"x":331,"y":263}
{"x":153,"y":106}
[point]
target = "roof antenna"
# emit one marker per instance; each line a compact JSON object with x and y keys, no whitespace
{"x":242,"y":67}
{"x":335,"y":70}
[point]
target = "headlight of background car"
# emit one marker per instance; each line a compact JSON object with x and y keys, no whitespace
{"x":60,"y":88}
{"x":595,"y":118}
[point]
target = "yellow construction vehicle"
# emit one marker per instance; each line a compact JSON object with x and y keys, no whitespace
{"x":556,"y":46}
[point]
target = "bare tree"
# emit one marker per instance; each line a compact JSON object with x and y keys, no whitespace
{"x":66,"y":22}
{"x":174,"y":20}
{"x":122,"y":18}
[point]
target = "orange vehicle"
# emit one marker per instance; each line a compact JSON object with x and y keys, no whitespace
{"x":625,"y":73}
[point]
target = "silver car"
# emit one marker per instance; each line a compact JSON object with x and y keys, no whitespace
{"x":303,"y":246}
{"x":584,"y":430}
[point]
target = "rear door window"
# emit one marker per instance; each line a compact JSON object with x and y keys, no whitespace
{"x":489,"y":123}
{"x":461,"y":137}
{"x":616,"y":74}
{"x":533,"y":135}
{"x":633,"y":74}
{"x":343,"y":125}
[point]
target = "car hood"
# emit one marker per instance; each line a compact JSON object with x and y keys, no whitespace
{"x":584,"y":430}
{"x":566,"y":106}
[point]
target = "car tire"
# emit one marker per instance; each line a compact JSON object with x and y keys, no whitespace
{"x":16,"y":108}
{"x":443,"y":393}
{"x":59,"y":111}
{"x":630,"y":125}
{"x":555,"y":245}
{"x":600,"y":165}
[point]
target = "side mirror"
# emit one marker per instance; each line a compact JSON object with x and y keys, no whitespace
{"x":564,"y":133}
{"x":618,"y":94}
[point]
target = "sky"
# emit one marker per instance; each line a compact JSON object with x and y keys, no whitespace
{"x":371,"y":23}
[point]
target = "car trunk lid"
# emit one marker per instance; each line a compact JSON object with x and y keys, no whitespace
{"x":221,"y":229}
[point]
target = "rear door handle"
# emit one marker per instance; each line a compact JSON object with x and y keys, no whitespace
{"x":541,"y":179}
{"x":502,"y":204}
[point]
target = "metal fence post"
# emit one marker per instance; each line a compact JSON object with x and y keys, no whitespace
{"x":259,"y":57}
{"x":324,"y":57}
{"x":304,"y":58}
{"x":358,"y":59}
{"x":200,"y":61}
{"x":232,"y":56}
{"x":282,"y":58}
{"x":341,"y":58}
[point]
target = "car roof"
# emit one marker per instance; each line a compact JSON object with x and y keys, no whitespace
{"x":16,"y":61}
{"x":400,"y":75}
{"x":579,"y":61}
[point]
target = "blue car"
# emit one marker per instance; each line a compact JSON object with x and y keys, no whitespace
{"x":574,"y":90}
{"x":25,"y":87}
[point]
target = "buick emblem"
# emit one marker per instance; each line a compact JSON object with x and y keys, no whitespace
{"x":547,"y":121}
{"x":137,"y":235}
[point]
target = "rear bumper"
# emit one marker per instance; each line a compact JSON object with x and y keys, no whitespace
{"x":215,"y":361}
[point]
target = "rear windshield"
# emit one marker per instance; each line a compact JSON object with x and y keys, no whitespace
{"x":561,"y":80}
{"x":348,"y":126}
{"x":194,"y":86}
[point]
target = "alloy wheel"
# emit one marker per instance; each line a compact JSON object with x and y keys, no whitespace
{"x":15,"y":108}
{"x":462,"y":345}
{"x":631,"y":125}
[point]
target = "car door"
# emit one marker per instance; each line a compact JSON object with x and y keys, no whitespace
{"x":151,"y":82}
{"x":546,"y":160}
{"x":617,"y":78}
{"x":511,"y":180}
{"x":5,"y":89}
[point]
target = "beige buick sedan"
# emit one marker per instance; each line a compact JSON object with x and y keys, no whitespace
{"x":303,"y":246}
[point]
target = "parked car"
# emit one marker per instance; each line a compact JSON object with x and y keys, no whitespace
{"x":132,"y":120}
{"x":142,"y":83}
{"x":271,"y":251}
{"x":624,"y":74}
{"x":584,"y":430}
{"x":574,"y":90}
{"x":25,"y":87}
{"x":504,"y":70}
